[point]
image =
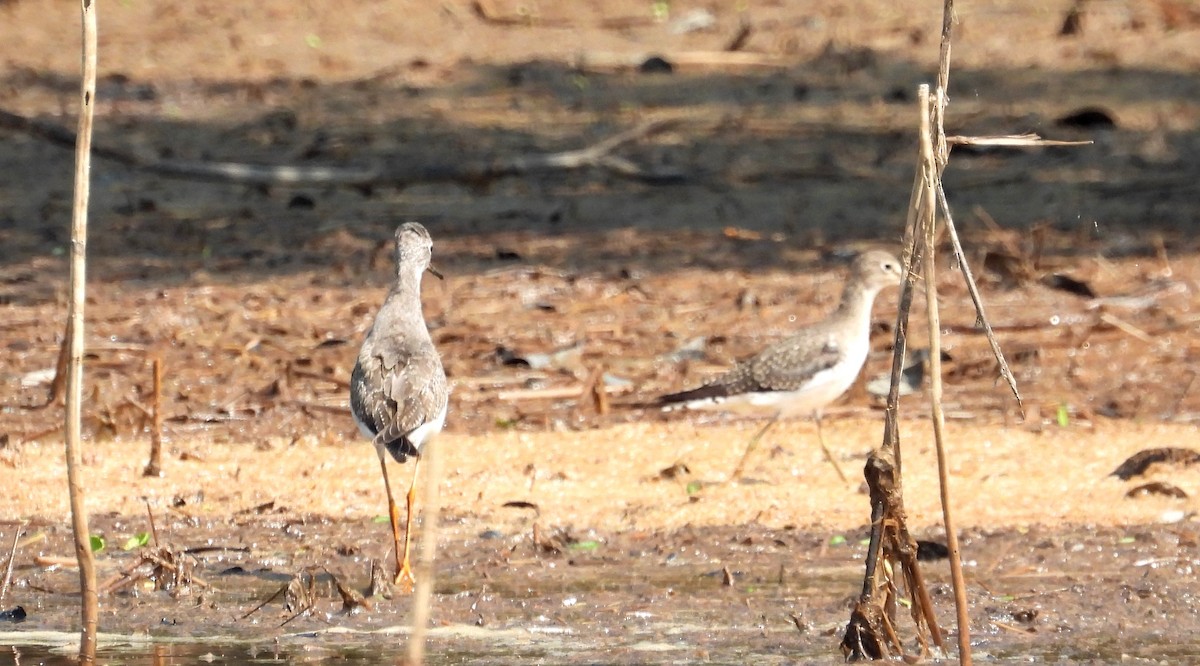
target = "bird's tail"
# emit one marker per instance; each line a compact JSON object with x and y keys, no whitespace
{"x":676,"y":400}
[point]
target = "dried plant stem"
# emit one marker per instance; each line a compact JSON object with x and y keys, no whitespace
{"x":871,"y":633}
{"x":153,"y":529}
{"x":89,"y":601}
{"x":932,"y":177}
{"x":935,"y":154}
{"x":911,"y":260}
{"x":973,"y":290}
{"x":154,"y":465}
{"x":12,"y":555}
{"x":423,"y":595}
{"x":403,"y":171}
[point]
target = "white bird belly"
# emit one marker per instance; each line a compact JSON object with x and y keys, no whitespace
{"x":428,"y":430}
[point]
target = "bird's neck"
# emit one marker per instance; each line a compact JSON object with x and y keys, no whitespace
{"x":856,"y":301}
{"x":407,"y":290}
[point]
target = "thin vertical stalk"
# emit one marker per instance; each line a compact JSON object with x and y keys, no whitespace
{"x":423,"y":595}
{"x":89,"y":602}
{"x":941,"y":152}
{"x":932,"y":173}
{"x":154,"y":465}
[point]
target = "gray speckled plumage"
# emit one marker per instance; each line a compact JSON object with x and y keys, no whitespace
{"x":398,"y":390}
{"x":811,"y":368}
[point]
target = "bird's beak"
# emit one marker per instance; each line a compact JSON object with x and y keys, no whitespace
{"x":435,"y":272}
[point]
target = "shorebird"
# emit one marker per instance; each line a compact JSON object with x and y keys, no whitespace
{"x":803,"y":373}
{"x":398,"y":391}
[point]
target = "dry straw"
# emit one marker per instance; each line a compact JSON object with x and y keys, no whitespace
{"x":73,"y":426}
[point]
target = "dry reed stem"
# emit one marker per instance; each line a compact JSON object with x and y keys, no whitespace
{"x":89,"y":600}
{"x":154,"y":465}
{"x":871,"y":629}
{"x":423,"y":595}
{"x":910,"y":259}
{"x":937,"y":163}
{"x":973,"y":290}
{"x":12,"y":555}
{"x":932,"y":180}
{"x":1010,"y":140}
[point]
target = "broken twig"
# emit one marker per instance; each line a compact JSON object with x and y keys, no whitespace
{"x":395,"y":172}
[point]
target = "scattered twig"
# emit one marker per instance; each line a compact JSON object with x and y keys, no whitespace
{"x":557,"y":393}
{"x":381,"y":582}
{"x":42,"y":433}
{"x":593,"y":388}
{"x":1010,"y":140}
{"x":273,"y":597}
{"x":394,"y":172}
{"x":352,"y":600}
{"x":58,"y":385}
{"x":145,"y":411}
{"x":153,"y":529}
{"x":300,"y":594}
{"x":1164,"y":259}
{"x":544,"y":543}
{"x":203,"y":550}
{"x":1013,"y":628}
{"x":306,"y":406}
{"x":56,"y":561}
{"x":305,"y":374}
{"x":1129,"y":329}
{"x":739,"y":39}
{"x":170,"y":571}
{"x":12,"y":556}
{"x":599,"y":61}
{"x":485,"y":11}
{"x":1183,"y":391}
{"x":154,"y":465}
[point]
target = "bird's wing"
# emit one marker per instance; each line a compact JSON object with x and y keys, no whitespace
{"x":789,"y":364}
{"x":416,"y":385}
{"x":784,"y":366}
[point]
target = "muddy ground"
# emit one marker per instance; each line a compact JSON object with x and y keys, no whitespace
{"x":790,"y":150}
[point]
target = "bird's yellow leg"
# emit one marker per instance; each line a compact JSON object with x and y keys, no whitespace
{"x":404,"y":574}
{"x":737,"y":470}
{"x":393,"y":515}
{"x":828,"y":454}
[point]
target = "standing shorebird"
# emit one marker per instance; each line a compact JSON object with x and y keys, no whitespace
{"x":803,"y":373}
{"x":398,"y":390}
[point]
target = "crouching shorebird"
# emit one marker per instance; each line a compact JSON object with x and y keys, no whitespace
{"x":800,"y":375}
{"x":398,"y":391}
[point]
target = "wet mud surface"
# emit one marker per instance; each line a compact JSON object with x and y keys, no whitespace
{"x":1079,"y":595}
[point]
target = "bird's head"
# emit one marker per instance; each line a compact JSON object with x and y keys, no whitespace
{"x":414,"y":248}
{"x":878,"y":269}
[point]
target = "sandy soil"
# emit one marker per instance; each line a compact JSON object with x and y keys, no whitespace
{"x":609,"y":479}
{"x":256,"y":298}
